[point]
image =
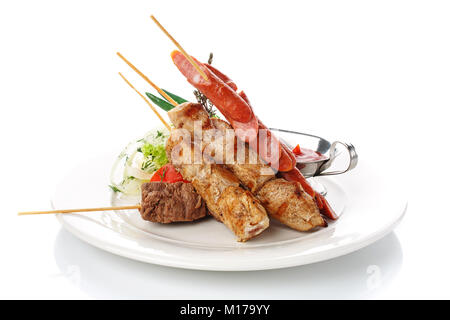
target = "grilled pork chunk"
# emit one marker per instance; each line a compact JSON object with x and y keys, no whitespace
{"x":237,"y":208}
{"x":285,"y":201}
{"x":171,"y":202}
{"x":215,"y":142}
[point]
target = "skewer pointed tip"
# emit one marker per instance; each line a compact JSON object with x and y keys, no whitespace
{"x":165,"y":95}
{"x":148,"y":102}
{"x":175,"y":42}
{"x":138,"y":207}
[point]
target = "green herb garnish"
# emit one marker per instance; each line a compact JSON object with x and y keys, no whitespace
{"x":146,"y":164}
{"x":206,"y":103}
{"x":163,"y":174}
{"x":163,"y":104}
{"x":155,"y":156}
{"x":114,"y":188}
{"x":176,"y":98}
{"x":201,"y":98}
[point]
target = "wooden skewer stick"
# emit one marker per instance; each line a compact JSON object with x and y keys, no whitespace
{"x":148,"y":102}
{"x":196,"y":66}
{"x":138,"y":207}
{"x":165,"y":95}
{"x":80,"y":210}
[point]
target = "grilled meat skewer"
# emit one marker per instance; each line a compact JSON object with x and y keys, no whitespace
{"x":285,"y":200}
{"x":237,"y":208}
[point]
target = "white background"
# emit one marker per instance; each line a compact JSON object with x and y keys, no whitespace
{"x":375,"y":73}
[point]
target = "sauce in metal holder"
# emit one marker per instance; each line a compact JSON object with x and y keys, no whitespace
{"x":318,"y":154}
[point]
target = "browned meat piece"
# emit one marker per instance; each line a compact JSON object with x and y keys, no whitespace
{"x":237,"y":208}
{"x":210,"y":181}
{"x":185,"y":115}
{"x":243,"y":213}
{"x":171,"y":202}
{"x":287,"y":202}
{"x":283,"y":200}
{"x":253,"y":174}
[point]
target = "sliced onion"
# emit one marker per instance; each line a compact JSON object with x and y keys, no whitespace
{"x":137,"y":173}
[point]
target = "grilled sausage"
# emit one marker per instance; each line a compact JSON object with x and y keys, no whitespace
{"x":224,"y":97}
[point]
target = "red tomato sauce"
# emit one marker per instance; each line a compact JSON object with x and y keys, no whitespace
{"x":303,"y":155}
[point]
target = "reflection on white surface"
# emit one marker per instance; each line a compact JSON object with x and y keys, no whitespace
{"x":363,"y":274}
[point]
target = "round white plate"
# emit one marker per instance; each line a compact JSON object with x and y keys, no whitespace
{"x":369,"y":207}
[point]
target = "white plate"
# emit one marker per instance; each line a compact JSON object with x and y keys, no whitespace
{"x":368,"y":206}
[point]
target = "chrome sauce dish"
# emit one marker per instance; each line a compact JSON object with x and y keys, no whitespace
{"x":315,"y":154}
{"x":304,"y":155}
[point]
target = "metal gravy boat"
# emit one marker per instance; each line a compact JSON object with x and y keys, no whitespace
{"x":326,"y":148}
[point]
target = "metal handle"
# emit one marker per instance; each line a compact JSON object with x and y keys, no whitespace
{"x":353,"y":159}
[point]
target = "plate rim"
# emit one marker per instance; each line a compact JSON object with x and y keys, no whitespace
{"x":279,"y":264}
{"x":291,"y":255}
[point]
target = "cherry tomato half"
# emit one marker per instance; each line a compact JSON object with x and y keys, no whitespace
{"x":167,"y":173}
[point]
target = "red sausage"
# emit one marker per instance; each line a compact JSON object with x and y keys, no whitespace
{"x":230,"y":104}
{"x":286,"y":159}
{"x":296,"y":175}
{"x":236,"y":108}
{"x":327,"y":211}
{"x":221,"y":76}
{"x":268,"y":146}
{"x":319,"y":202}
{"x":289,"y":158}
{"x":322,"y":203}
